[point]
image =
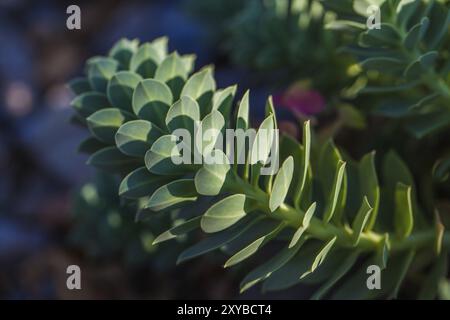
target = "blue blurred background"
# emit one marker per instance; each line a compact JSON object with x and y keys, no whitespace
{"x":40,"y":171}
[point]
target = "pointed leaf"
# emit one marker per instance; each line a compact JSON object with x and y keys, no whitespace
{"x":135,"y":137}
{"x":224,"y":213}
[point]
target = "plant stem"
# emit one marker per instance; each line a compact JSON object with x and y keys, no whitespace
{"x":369,"y":240}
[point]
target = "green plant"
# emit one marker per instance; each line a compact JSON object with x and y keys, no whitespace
{"x":405,"y":60}
{"x":326,"y":214}
{"x":105,"y":228}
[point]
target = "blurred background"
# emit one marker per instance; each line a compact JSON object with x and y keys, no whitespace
{"x":53,"y":211}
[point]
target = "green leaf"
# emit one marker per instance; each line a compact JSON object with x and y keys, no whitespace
{"x":421,"y":65}
{"x":210,"y":179}
{"x":171,"y":194}
{"x":361,"y":220}
{"x":368,"y":184}
{"x":256,"y":244}
{"x":173,"y":72}
{"x":123,"y":50}
{"x":361,"y":6}
{"x":321,"y":256}
{"x":434,"y":276}
{"x":111,"y":159}
{"x":200,"y":86}
{"x":242,"y":119}
{"x":79,"y":85}
{"x":384,"y":64}
{"x":224,"y":213}
{"x":403,"y":216}
{"x":178,"y":230}
{"x":405,"y":11}
{"x":211,"y":133}
{"x":145,"y":60}
{"x":281,"y":184}
{"x":184,"y":114}
{"x":223,"y":100}
{"x":216,"y":240}
{"x":333,"y":179}
{"x":151,"y":101}
{"x":140,"y":183}
{"x":416,"y":34}
{"x":401,"y":268}
{"x":305,"y":224}
{"x":100,"y":70}
{"x":341,"y":271}
{"x":160,"y":158}
{"x":189,"y":62}
{"x":91,"y":145}
{"x":89,"y":102}
{"x":265,"y":270}
{"x":135,"y":137}
{"x":263,"y":141}
{"x":299,"y":192}
{"x":120,"y":89}
{"x":425,"y":124}
{"x":387,"y":35}
{"x":104,"y":123}
{"x":338,"y":187}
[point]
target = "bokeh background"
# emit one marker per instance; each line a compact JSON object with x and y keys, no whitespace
{"x":53,"y":211}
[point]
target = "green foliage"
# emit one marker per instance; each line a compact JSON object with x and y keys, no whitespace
{"x":405,"y":60}
{"x":321,"y":208}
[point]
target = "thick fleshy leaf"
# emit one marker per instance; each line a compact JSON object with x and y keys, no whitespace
{"x":421,"y":65}
{"x":266,"y":269}
{"x":305,"y":163}
{"x":384,"y":64}
{"x":160,"y":159}
{"x":123,"y":50}
{"x":140,"y":183}
{"x":224,"y":213}
{"x":211,"y":178}
{"x":171,"y":194}
{"x":334,"y":181}
{"x":434,"y":276}
{"x":184,"y":114}
{"x":104,"y":123}
{"x":416,"y":33}
{"x":100,"y":70}
{"x":321,"y":256}
{"x":341,"y":271}
{"x":216,"y":240}
{"x":305,"y":224}
{"x":145,"y":60}
{"x":189,"y":62}
{"x":368,"y":184}
{"x":91,"y":145}
{"x":120,"y":89}
{"x":178,"y":230}
{"x":151,"y":101}
{"x":79,"y":85}
{"x":387,"y":35}
{"x":361,"y":220}
{"x":253,"y":247}
{"x":281,"y":184}
{"x":200,"y":86}
{"x":223,"y":100}
{"x":111,"y":159}
{"x":263,"y":141}
{"x":403,"y":216}
{"x":135,"y":138}
{"x":89,"y":102}
{"x":211,"y":133}
{"x":173,"y":72}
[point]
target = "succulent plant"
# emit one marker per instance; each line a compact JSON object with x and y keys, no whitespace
{"x":327,"y":215}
